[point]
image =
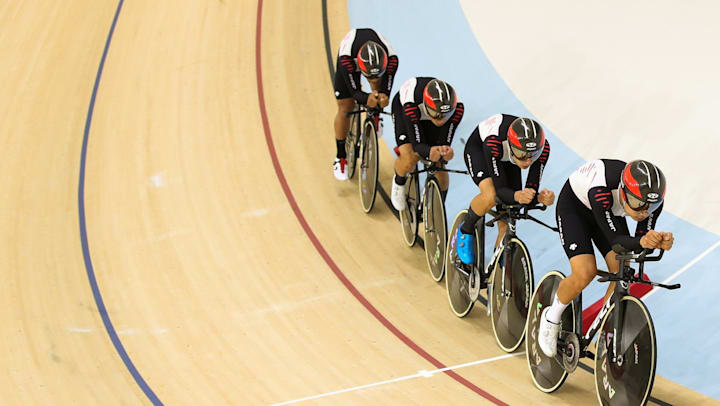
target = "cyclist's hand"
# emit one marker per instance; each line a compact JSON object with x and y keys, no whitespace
{"x":383,"y":100}
{"x":447,"y":152}
{"x":435,"y":153}
{"x":667,"y":241}
{"x":373,"y":99}
{"x":524,"y":196}
{"x":546,"y":197}
{"x":651,"y":240}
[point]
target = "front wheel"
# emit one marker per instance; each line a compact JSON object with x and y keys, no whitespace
{"x":457,"y":283}
{"x":351,"y":143}
{"x":512,"y":287}
{"x":435,"y":229}
{"x":409,"y":216}
{"x":547,"y":373}
{"x":626,"y":379}
{"x":368,"y":167}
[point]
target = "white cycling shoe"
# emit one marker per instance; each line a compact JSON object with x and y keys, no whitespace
{"x":397,"y":196}
{"x":340,"y":169}
{"x":548,"y":335}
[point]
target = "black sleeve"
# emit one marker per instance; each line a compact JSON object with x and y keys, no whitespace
{"x":536,"y":171}
{"x":649,"y":223}
{"x":411,"y":115}
{"x":352,"y":79}
{"x":389,"y":77}
{"x":601,"y":204}
{"x":492,"y":146}
{"x":453,"y":123}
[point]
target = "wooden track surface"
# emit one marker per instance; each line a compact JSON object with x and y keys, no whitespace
{"x":212,"y":284}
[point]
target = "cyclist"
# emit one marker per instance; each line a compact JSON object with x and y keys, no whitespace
{"x":362,"y":51}
{"x":592,"y":207}
{"x":495,"y":153}
{"x":426,"y":113}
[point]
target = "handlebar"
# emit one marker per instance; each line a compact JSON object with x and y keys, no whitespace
{"x":516,"y":211}
{"x":625,"y":255}
{"x":369,"y":110}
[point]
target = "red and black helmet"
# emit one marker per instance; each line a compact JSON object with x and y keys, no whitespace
{"x":526,"y":138}
{"x":642,"y":185}
{"x":372,"y":60}
{"x":439,"y":99}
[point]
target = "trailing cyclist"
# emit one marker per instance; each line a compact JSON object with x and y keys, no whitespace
{"x":362,"y":51}
{"x":426,"y":112}
{"x":592,"y":207}
{"x":495,"y":153}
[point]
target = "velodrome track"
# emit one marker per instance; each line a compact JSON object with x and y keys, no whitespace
{"x":190,"y":180}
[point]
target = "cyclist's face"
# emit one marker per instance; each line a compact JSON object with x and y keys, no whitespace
{"x":439,"y":122}
{"x":637,"y":215}
{"x":375,"y":83}
{"x":523,"y":164}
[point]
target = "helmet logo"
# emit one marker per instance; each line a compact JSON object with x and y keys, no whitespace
{"x":653,"y":195}
{"x":531,"y":145}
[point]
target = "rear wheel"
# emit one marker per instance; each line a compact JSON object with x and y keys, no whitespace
{"x":627,"y":379}
{"x":351,"y":143}
{"x":409,"y":216}
{"x":547,"y":373}
{"x":457,"y":283}
{"x":368,"y":167}
{"x":510,"y":298}
{"x":435,"y":230}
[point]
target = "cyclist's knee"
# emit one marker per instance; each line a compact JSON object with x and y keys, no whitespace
{"x":345,"y":105}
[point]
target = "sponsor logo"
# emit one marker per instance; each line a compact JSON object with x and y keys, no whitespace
{"x":562,"y":239}
{"x":337,"y":93}
{"x":450,"y":133}
{"x":653,"y":195}
{"x":636,"y":353}
{"x":480,"y":174}
{"x":606,"y":383}
{"x":402,"y":137}
{"x":495,"y":167}
{"x":526,"y":272}
{"x":469,"y":162}
{"x":534,"y":323}
{"x":609,"y":221}
{"x":531,"y":145}
{"x":572,"y":246}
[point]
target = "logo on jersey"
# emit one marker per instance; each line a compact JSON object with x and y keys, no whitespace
{"x":479,"y":174}
{"x":402,"y":137}
{"x":609,"y":221}
{"x":572,"y":247}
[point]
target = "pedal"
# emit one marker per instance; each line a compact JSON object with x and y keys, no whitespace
{"x":569,"y":350}
{"x":474,"y":285}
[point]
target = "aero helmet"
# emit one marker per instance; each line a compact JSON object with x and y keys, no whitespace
{"x":642,"y":185}
{"x":526,"y":138}
{"x":372,"y":59}
{"x":439,"y":99}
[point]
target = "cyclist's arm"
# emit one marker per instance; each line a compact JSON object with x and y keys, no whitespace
{"x":492,"y":147}
{"x":411,"y":115}
{"x":601,"y":203}
{"x":453,"y":121}
{"x":389,"y":77}
{"x":536,"y":171}
{"x":649,"y":223}
{"x":352,"y":79}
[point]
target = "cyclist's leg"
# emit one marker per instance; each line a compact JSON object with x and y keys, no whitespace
{"x":477,"y":168}
{"x":610,"y":257}
{"x":345,"y":104}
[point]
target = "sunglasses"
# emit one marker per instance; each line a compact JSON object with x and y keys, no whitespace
{"x":524,"y":155}
{"x":437,"y":115}
{"x":638,"y":205}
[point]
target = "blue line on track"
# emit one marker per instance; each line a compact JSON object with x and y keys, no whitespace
{"x":83,"y":232}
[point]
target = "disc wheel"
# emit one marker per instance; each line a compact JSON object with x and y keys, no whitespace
{"x":368,"y":167}
{"x":456,"y":283}
{"x":628,"y":379}
{"x":511,"y":294}
{"x":547,"y":373}
{"x":409,"y":216}
{"x":351,"y":143}
{"x":435,"y":230}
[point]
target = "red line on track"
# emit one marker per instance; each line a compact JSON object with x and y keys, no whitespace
{"x":318,"y":245}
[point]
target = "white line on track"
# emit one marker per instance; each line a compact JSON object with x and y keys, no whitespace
{"x":683,"y":269}
{"x":419,"y":374}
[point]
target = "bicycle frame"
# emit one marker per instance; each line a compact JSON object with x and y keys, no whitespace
{"x":625,"y":277}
